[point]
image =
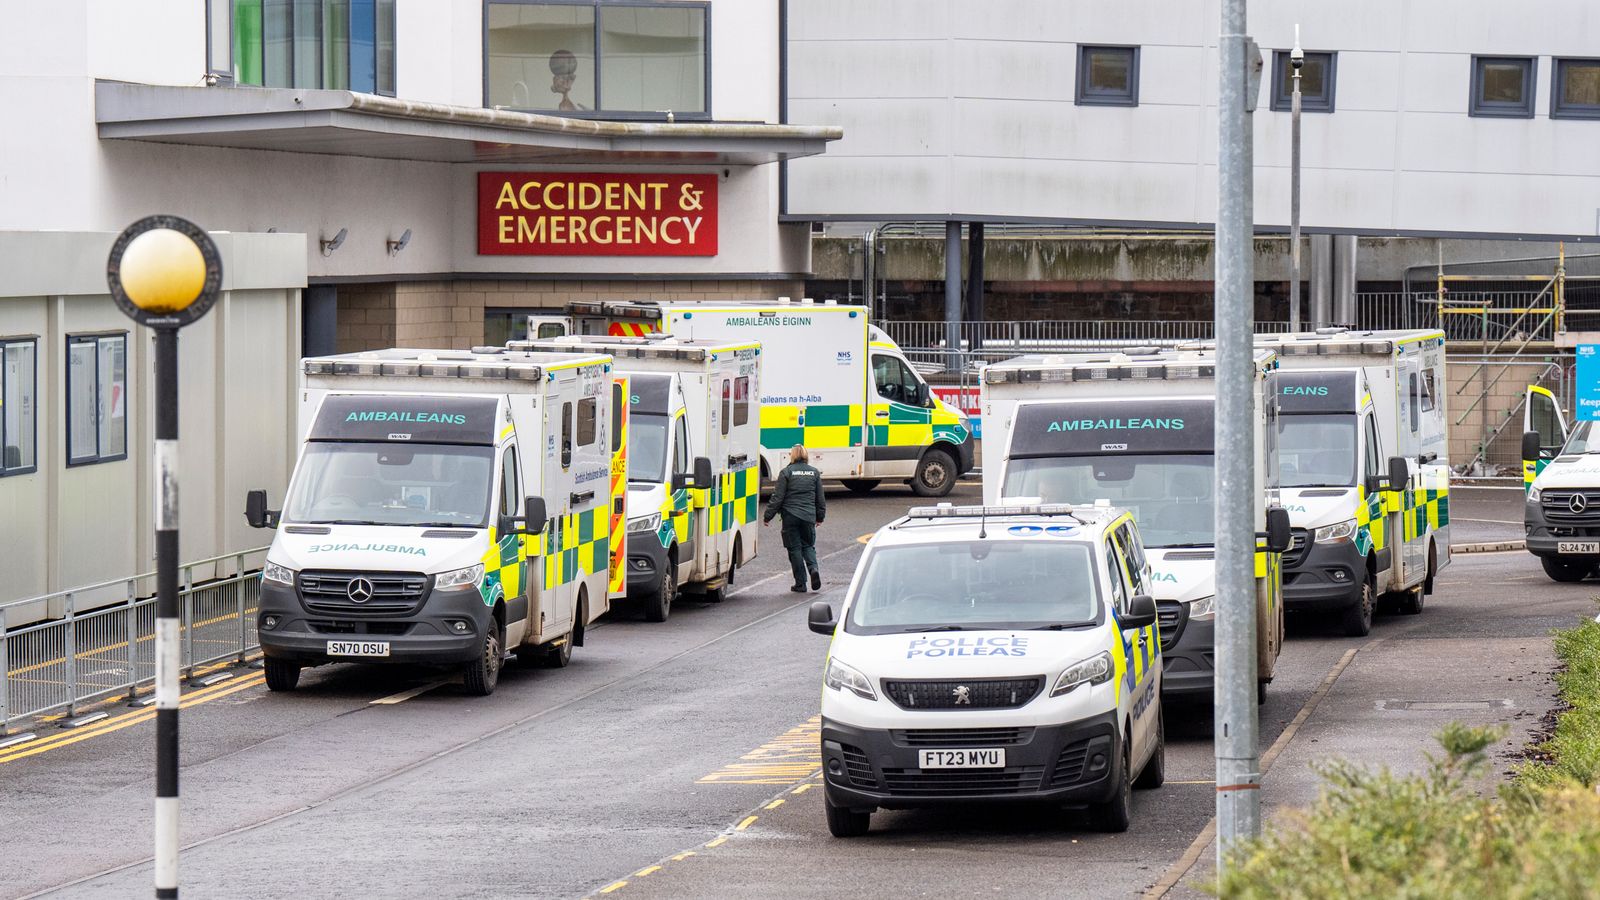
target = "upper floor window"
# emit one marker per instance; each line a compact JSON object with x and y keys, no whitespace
{"x":1108,"y":76}
{"x":1575,"y":89}
{"x":598,"y":58}
{"x":19,"y":392}
{"x":97,"y":398}
{"x":315,"y":44}
{"x":1316,"y":82}
{"x":1502,"y":86}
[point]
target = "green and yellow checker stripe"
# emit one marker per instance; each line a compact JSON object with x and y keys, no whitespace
{"x":504,"y":565}
{"x":1370,"y":521}
{"x":576,"y":545}
{"x":823,"y":425}
{"x":898,"y":425}
{"x":1427,"y":506}
{"x":677,"y":518}
{"x":731,"y":502}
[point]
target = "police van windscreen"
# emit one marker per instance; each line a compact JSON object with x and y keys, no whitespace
{"x":380,"y":483}
{"x":647,"y":448}
{"x":1316,"y":450}
{"x":1170,"y":494}
{"x":976,"y":585}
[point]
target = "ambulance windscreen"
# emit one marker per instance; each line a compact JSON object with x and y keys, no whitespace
{"x":418,"y":419}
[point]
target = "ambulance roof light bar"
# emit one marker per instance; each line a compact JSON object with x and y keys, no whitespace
{"x":620,"y":347}
{"x":948,"y":511}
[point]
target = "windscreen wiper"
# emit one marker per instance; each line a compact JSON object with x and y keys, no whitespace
{"x":1189,"y":545}
{"x":1063,"y":626}
{"x":934,"y":628}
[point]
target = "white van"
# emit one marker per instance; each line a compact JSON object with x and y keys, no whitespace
{"x":1561,"y":474}
{"x":694,"y":441}
{"x":993,"y":654}
{"x":447,"y":506}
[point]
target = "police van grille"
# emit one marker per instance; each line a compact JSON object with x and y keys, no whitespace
{"x":857,"y":767}
{"x":959,"y":782}
{"x":962,"y":737}
{"x":1171,"y":616}
{"x":1069,"y":765}
{"x":981,"y":693}
{"x":393,"y":593}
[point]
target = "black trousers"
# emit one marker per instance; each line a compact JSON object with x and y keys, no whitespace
{"x":800,"y":537}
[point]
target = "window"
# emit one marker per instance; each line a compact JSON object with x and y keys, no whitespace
{"x":1134,"y":553}
{"x":727,"y":396}
{"x":19,"y":387}
{"x":895,"y":380}
{"x":583,"y":57}
{"x":618,"y":407}
{"x":1575,"y":89}
{"x":1373,"y":468}
{"x":1502,"y":86}
{"x":508,"y":482}
{"x":332,"y":44}
{"x":219,"y":37}
{"x":566,"y":434}
{"x":680,"y":445}
{"x":1316,"y":82}
{"x":1119,"y":593}
{"x":1108,"y":76}
{"x":97,"y":402}
{"x":741,"y":400}
{"x":1427,"y":390}
{"x":586,"y":421}
{"x":1414,"y":386}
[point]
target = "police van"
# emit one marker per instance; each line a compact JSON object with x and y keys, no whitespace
{"x":693,"y":436}
{"x":447,"y":507}
{"x":993,"y":654}
{"x":831,"y":381}
{"x":1363,"y":468}
{"x":1135,"y":429}
{"x":1561,"y":474}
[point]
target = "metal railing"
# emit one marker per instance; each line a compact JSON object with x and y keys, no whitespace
{"x":80,"y":656}
{"x":928,"y":345}
{"x":1496,"y":407}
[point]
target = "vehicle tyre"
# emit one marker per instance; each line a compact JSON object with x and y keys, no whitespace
{"x":1409,"y":603}
{"x":658,"y":606}
{"x":719,"y":594}
{"x":1116,"y":814}
{"x":282,"y":675}
{"x":1433,"y":569}
{"x":1357,"y":620}
{"x":1154,"y":773}
{"x":844,"y":822}
{"x":862,"y":485}
{"x":1565,"y":572}
{"x":558,"y":655}
{"x":935,"y":475}
{"x":483,"y":674}
{"x":1261,"y":693}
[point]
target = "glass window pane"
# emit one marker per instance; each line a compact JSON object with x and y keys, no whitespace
{"x":541,"y":57}
{"x":652,"y":59}
{"x":278,"y":43}
{"x":112,"y":402}
{"x":1580,"y":85}
{"x":219,"y":41}
{"x":336,"y":44}
{"x":586,"y":421}
{"x":307,"y":44}
{"x":1502,"y":83}
{"x":247,"y":55}
{"x":80,"y":401}
{"x":19,"y":380}
{"x":363,"y":46}
{"x":1110,"y":71}
{"x":385,"y":47}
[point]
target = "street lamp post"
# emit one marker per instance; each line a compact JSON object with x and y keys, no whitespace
{"x":1297,"y":60}
{"x":164,"y":273}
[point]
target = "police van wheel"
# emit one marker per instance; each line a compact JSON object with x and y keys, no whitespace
{"x":1154,"y":773}
{"x":1357,"y":619}
{"x":935,"y":475}
{"x":1566,"y":572}
{"x":862,"y":485}
{"x":483,"y":674}
{"x":659,"y":605}
{"x":1116,"y":814}
{"x":282,"y":675}
{"x":844,"y":822}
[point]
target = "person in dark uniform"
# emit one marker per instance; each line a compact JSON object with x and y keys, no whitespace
{"x":798,"y":495}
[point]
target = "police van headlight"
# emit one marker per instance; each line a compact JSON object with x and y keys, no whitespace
{"x":1533,"y":495}
{"x":281,"y":574}
{"x":841,"y":677}
{"x":459,"y":578}
{"x":1203,"y":609}
{"x":1337,"y":533}
{"x":644,"y":524}
{"x":1096,"y":669}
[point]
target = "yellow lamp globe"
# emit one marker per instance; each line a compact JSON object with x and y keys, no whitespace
{"x":162,"y":271}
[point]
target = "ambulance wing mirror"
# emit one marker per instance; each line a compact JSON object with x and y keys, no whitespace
{"x":820,"y":618}
{"x":1279,"y":536}
{"x":1399,"y":473}
{"x":702,"y":472}
{"x":1141,"y":612}
{"x":924,"y":395}
{"x":1532,"y":447}
{"x":256,"y":512}
{"x":534,"y":515}
{"x":680,"y":480}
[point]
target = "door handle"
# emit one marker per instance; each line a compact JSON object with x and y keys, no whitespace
{"x":584,"y":497}
{"x":881,"y":414}
{"x":741,"y":459}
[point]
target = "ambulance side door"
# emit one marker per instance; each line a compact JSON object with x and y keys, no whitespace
{"x":591,"y":491}
{"x":1541,"y":415}
{"x":744,"y":455}
{"x":1408,"y":538}
{"x":719,"y":505}
{"x":559,"y":592}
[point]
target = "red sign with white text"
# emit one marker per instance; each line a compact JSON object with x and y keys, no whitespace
{"x":596,"y":214}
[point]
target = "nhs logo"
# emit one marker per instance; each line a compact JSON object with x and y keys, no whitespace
{"x":843,"y":357}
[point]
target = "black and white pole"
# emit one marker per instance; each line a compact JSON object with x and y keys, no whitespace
{"x":164,"y":273}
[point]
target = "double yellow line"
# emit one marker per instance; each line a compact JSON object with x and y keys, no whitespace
{"x":204,"y":695}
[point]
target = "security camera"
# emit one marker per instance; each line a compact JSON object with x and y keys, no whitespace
{"x":395,"y":246}
{"x":1297,"y":57}
{"x":331,"y":244}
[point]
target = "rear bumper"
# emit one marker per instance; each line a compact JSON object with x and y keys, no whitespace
{"x":880,"y":769}
{"x":426,"y":636}
{"x":1326,"y":577}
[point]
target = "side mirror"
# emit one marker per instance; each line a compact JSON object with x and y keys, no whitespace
{"x":820,"y":618}
{"x":534,"y":515}
{"x":1399,"y":473}
{"x":680,"y":480}
{"x":1531,"y":445}
{"x":1372,"y":483}
{"x":1141,"y":612}
{"x":702,"y":472}
{"x":1278,"y":534}
{"x":924,"y":395}
{"x":256,"y":512}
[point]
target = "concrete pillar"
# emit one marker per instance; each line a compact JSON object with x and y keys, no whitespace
{"x":975,"y":312}
{"x":1344,"y":280}
{"x":1321,"y":279}
{"x":319,"y":320}
{"x":952,"y":294}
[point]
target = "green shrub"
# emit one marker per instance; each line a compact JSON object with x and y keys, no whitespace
{"x":1572,"y":754}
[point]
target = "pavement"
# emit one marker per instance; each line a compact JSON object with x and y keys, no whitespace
{"x":678,"y":759}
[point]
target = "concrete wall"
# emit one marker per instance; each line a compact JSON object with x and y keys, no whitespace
{"x":961,"y":110}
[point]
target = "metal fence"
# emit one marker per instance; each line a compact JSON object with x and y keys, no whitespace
{"x":1486,"y":407}
{"x":927,"y":343}
{"x":77,"y":657}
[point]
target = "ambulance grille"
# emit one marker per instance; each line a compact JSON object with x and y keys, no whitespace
{"x":393,"y":593}
{"x":1299,"y":542}
{"x":1558,"y":506}
{"x":973,"y":693}
{"x":963,"y":782}
{"x":1171,"y":616}
{"x":962,"y":737}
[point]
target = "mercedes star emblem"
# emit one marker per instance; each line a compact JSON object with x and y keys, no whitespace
{"x":360,"y":590}
{"x":1578,"y":504}
{"x":963,"y":695}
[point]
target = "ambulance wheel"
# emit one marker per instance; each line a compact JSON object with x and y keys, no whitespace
{"x":1565,"y":572}
{"x":862,"y":485}
{"x":844,"y":822}
{"x":1357,"y":619}
{"x":659,"y":605}
{"x":1154,"y":773}
{"x":1433,"y":569}
{"x":1261,"y":693}
{"x":483,"y":674}
{"x":935,"y":475}
{"x":1409,"y":603}
{"x":282,"y":675}
{"x":1116,"y":814}
{"x":719,"y":594}
{"x":559,"y":654}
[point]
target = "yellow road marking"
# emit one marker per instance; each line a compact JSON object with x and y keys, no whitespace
{"x":403,"y":696}
{"x":775,"y":804}
{"x":614,"y":886}
{"x":745,"y":824}
{"x":864,"y":538}
{"x":717,"y":842}
{"x":804,"y":787}
{"x":683,"y":856}
{"x":646,"y":871}
{"x":1191,"y":782}
{"x":792,"y":756}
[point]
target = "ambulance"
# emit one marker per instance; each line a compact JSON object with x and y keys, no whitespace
{"x":993,"y":654}
{"x":831,"y":381}
{"x":1135,"y":429}
{"x":694,"y":443}
{"x":447,"y":507}
{"x":1561,"y":474}
{"x":1363,"y":468}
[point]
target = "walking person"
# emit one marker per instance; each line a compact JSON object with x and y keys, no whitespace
{"x":798,"y":495}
